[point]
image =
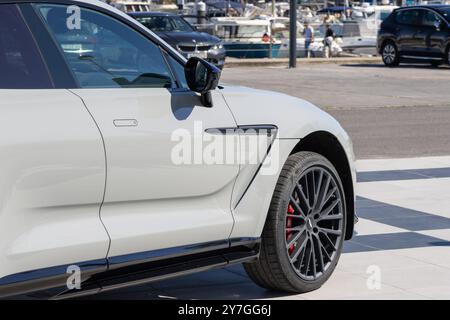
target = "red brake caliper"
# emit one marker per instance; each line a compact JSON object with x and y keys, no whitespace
{"x":289,"y":225}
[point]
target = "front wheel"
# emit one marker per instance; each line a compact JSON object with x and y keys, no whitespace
{"x":389,"y":54}
{"x":304,"y":231}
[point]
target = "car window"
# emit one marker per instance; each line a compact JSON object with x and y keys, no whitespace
{"x":429,"y":18}
{"x":165,"y":24}
{"x":21,"y":64}
{"x":409,"y":17}
{"x":105,"y":53}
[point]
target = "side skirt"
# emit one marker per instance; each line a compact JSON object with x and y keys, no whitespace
{"x":139,"y":268}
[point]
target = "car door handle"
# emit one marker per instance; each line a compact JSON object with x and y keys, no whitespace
{"x":125,"y":122}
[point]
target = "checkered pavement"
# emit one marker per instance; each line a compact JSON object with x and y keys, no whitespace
{"x":403,"y":232}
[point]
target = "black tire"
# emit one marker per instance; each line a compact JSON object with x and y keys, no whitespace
{"x":389,"y":54}
{"x":274,"y":270}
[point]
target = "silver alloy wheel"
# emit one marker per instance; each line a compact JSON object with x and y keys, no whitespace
{"x":314,"y":223}
{"x":389,"y":54}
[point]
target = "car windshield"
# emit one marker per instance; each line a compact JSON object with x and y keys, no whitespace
{"x":165,"y":24}
{"x":446,"y":13}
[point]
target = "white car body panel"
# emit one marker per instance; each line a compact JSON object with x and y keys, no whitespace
{"x":150,"y":201}
{"x":250,"y":214}
{"x":53,"y":178}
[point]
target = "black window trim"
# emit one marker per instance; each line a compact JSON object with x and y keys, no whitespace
{"x":109,"y":13}
{"x":36,"y":43}
{"x":179,"y":87}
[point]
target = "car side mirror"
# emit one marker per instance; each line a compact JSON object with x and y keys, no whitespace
{"x":202,"y":77}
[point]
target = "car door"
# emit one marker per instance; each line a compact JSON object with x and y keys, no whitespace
{"x":432,"y":35}
{"x":52,"y":166}
{"x":153,"y":199}
{"x":407,"y":31}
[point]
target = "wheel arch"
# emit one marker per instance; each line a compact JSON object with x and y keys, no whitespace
{"x":387,"y":40}
{"x":446,"y":48}
{"x":327,"y":145}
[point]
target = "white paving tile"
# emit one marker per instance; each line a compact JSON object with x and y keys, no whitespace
{"x":437,"y":292}
{"x":438,"y":256}
{"x":417,"y":277}
{"x":402,"y":163}
{"x":359,"y":262}
{"x":425,"y":195}
{"x":403,"y":295}
{"x":366,"y":227}
{"x":343,"y":285}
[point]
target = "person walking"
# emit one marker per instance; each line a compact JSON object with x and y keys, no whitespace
{"x":308,"y":33}
{"x":328,"y":41}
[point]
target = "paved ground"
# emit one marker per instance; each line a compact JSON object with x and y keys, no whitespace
{"x":404,"y":230}
{"x":403,"y":236}
{"x":353,"y":86}
{"x":370,"y":101}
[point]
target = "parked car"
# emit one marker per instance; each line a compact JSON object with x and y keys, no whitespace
{"x":93,"y":193}
{"x":419,"y":33}
{"x":177,"y":32}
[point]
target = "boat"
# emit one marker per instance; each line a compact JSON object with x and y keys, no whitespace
{"x":143,"y":6}
{"x":370,"y":17}
{"x":246,"y":38}
{"x":132,"y":6}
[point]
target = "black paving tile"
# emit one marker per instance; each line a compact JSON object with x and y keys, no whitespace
{"x":393,"y":241}
{"x":390,"y":175}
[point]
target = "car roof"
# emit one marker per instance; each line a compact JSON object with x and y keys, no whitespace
{"x":152,"y":14}
{"x":427,"y":6}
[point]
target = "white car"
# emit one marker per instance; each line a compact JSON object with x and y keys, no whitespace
{"x":112,"y":163}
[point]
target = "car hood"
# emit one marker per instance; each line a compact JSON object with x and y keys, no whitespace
{"x":174,"y":38}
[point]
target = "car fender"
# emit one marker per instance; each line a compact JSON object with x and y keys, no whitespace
{"x":295,"y":119}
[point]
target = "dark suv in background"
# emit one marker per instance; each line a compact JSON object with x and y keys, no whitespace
{"x":419,"y":33}
{"x":177,"y":32}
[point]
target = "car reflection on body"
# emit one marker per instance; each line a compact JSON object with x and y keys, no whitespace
{"x":182,"y":36}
